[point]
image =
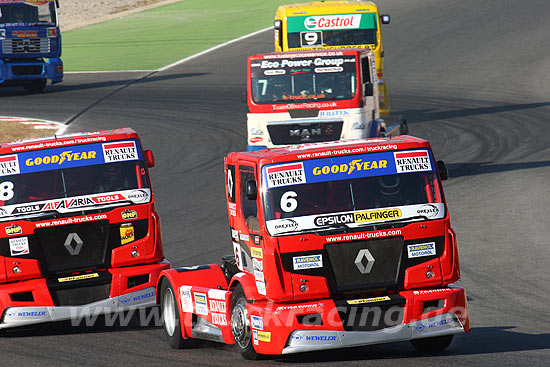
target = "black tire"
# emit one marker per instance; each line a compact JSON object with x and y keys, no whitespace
{"x":240,"y":325}
{"x":36,"y":86}
{"x":435,"y":344}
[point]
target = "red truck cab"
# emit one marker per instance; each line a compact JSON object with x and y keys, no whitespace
{"x":80,"y":233}
{"x":336,"y":244}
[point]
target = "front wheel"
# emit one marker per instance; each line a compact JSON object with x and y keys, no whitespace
{"x":240,"y":325}
{"x":171,"y":318}
{"x":432,"y":345}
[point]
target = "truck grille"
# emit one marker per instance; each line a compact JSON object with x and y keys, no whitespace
{"x":27,"y":69}
{"x":372,"y":316}
{"x":366,"y":265}
{"x":25,"y":45}
{"x":290,"y":132}
{"x":82,"y":291}
{"x":74,"y":246}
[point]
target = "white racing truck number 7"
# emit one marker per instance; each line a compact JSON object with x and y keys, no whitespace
{"x":314,"y":96}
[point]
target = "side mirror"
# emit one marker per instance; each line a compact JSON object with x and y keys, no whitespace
{"x":385,"y":18}
{"x":368,"y":90}
{"x":149,"y":158}
{"x":278,"y":25}
{"x":251,"y":190}
{"x":443,"y":171}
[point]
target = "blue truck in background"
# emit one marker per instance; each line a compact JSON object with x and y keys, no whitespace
{"x":30,"y":40}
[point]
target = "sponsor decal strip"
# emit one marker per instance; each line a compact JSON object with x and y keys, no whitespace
{"x":67,"y":156}
{"x":356,"y":218}
{"x":67,"y":205}
{"x":78,"y":277}
{"x":347,"y":167}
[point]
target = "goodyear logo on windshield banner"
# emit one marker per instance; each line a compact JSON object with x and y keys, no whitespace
{"x":59,"y":159}
{"x":67,"y":157}
{"x":348,"y":167}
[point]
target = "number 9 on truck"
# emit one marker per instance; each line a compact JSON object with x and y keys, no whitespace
{"x":311,"y":39}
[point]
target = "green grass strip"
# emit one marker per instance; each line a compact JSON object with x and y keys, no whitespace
{"x":158,"y":37}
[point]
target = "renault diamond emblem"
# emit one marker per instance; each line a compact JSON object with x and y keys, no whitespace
{"x":364,"y":253}
{"x":69,"y":244}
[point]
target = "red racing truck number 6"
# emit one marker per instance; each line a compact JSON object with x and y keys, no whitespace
{"x":336,"y":245}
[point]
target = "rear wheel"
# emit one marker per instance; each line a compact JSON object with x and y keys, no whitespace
{"x":240,"y":324}
{"x":36,"y":86}
{"x":432,"y":345}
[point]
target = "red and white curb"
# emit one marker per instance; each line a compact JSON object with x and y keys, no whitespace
{"x":36,"y":123}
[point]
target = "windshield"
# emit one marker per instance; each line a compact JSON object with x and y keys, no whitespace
{"x":27,"y":12}
{"x":72,"y":178}
{"x":292,"y":79}
{"x":351,"y":191}
{"x":333,"y":30}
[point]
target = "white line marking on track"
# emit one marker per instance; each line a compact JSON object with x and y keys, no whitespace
{"x":213,"y":48}
{"x":164,"y":68}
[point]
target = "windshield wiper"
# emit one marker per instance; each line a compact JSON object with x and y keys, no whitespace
{"x":36,"y":215}
{"x":343,"y":227}
{"x":402,"y":220}
{"x":56,"y":214}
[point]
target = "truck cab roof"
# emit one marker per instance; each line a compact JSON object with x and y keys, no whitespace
{"x":68,"y":140}
{"x":328,"y":7}
{"x":332,"y":148}
{"x":308,"y":53}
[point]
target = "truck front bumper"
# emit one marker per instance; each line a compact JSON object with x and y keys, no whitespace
{"x":312,"y":340}
{"x":21,"y":316}
{"x":22,"y":71}
{"x":328,"y":324}
{"x":42,"y":300}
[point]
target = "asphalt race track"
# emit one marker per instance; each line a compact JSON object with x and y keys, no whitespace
{"x":471,"y":76}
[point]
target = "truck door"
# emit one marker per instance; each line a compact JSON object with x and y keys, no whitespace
{"x":369,"y":90}
{"x":243,"y":212}
{"x":366,"y":77}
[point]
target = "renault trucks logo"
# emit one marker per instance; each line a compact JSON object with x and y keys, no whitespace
{"x":323,"y":22}
{"x":286,"y":174}
{"x":364,"y":267}
{"x":73,"y":237}
{"x":120,"y":151}
{"x":412,"y":161}
{"x":9,"y":165}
